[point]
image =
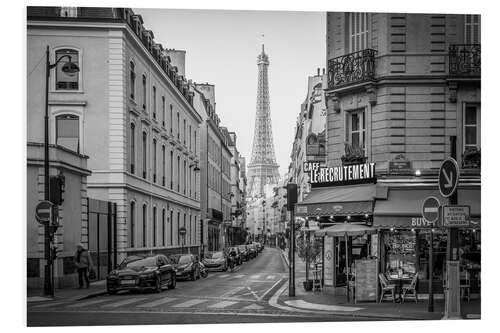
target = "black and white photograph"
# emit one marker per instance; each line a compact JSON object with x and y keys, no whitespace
{"x":243,"y":166}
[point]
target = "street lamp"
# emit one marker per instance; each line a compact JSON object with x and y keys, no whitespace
{"x":69,"y":68}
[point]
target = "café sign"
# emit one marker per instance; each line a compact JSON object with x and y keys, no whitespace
{"x":320,"y":176}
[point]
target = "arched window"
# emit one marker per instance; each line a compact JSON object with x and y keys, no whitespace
{"x":132,"y":148}
{"x":67,"y":80}
{"x":154,"y":160}
{"x":132,"y":80}
{"x":144,"y":224}
{"x":154,"y":226}
{"x":68,"y":132}
{"x":131,"y":232}
{"x":144,"y":154}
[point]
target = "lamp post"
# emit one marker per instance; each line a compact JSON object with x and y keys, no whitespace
{"x":263,"y":221}
{"x":69,"y":68}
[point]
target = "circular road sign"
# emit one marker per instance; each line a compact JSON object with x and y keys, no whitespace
{"x":182,"y":231}
{"x":448,"y":177}
{"x":43,"y":211}
{"x":430,"y":209}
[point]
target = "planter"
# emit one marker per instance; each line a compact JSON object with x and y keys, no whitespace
{"x":308,"y":285}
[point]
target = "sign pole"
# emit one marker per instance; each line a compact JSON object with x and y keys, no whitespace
{"x":430,"y":305}
{"x":291,"y":256}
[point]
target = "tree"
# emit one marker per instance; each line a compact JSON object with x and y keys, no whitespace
{"x":308,"y":250}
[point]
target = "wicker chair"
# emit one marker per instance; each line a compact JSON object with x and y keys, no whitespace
{"x":410,"y":288}
{"x":386,"y":287}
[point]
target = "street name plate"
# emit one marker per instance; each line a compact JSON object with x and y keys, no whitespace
{"x":456,"y":216}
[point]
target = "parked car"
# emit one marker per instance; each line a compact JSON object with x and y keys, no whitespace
{"x":252,"y":250}
{"x":215,"y":261}
{"x":142,"y":273}
{"x":187,"y":266}
{"x":245,"y":255}
{"x":238,"y":258}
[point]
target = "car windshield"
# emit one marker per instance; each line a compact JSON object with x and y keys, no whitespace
{"x":214,"y":255}
{"x":184,"y":260}
{"x":146,"y":262}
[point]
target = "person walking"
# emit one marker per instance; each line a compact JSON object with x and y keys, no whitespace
{"x":83,"y":264}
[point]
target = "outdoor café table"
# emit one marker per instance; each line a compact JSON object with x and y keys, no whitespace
{"x":398,"y":281}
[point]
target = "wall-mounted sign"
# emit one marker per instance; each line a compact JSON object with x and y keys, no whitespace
{"x":400,"y":166}
{"x":456,"y":216}
{"x":341,"y":175}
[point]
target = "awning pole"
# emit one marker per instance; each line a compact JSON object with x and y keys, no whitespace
{"x":347,"y":266}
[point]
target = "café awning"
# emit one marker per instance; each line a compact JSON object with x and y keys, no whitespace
{"x":343,"y":229}
{"x":338,"y":201}
{"x":403,"y":207}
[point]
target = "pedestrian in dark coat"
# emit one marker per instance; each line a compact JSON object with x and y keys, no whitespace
{"x":83,"y":263}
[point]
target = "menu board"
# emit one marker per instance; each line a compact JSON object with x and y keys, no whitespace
{"x":328,"y":262}
{"x":366,"y":280}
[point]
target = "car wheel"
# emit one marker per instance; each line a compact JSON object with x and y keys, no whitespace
{"x":173,"y":282}
{"x":158,"y":285}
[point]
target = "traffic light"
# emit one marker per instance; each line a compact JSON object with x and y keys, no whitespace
{"x":57,"y":186}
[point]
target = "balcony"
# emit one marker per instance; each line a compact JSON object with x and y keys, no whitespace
{"x":352,"y":68}
{"x":465,"y":60}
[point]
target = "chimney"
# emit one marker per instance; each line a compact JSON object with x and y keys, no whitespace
{"x":178,"y":59}
{"x":323,"y":71}
{"x":318,"y":71}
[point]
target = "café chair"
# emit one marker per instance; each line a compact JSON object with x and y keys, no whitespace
{"x":410,"y":288}
{"x":386,"y":287}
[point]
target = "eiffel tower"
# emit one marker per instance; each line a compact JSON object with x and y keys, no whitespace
{"x":262,"y":168}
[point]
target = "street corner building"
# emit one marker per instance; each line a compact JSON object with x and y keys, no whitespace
{"x":402,"y":95}
{"x":123,"y":133}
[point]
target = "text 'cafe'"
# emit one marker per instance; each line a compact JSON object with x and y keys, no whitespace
{"x":371,"y":223}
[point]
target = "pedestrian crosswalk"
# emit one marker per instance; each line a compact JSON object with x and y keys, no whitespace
{"x":115,"y":303}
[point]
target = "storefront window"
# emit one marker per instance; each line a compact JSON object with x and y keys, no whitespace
{"x":400,"y":252}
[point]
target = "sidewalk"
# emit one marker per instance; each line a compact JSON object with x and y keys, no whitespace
{"x":96,"y":288}
{"x":328,"y":300}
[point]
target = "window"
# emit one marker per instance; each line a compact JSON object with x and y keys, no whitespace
{"x":358,"y":31}
{"x":184,"y":225}
{"x":171,"y":170}
{"x":184,"y":131}
{"x":144,"y":222}
{"x":178,"y":127}
{"x":65,"y":80}
{"x":144,"y":92}
{"x":132,"y":224}
{"x":163,"y":227}
{"x":68,"y":132}
{"x":356,"y":129}
{"x":171,"y":227}
{"x":154,"y":226}
{"x":132,"y":80}
{"x":171,"y":119}
{"x":144,"y":154}
{"x":190,"y":229}
{"x":472,"y":29}
{"x":472,"y":126}
{"x":178,"y":173}
{"x":69,"y":12}
{"x":154,"y":102}
{"x":163,"y":170}
{"x":178,"y":226}
{"x":154,"y":160}
{"x":195,"y":142}
{"x":132,"y":148}
{"x":163,"y":111}
{"x":190,"y":142}
{"x":184,"y":176}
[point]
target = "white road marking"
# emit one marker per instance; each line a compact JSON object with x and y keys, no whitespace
{"x":223,"y":275}
{"x":221,"y":305}
{"x":239,"y":276}
{"x":232,"y":292}
{"x":253,"y":307}
{"x":82,"y":304}
{"x":124,"y":302}
{"x":190,"y":303}
{"x":255,"y":276}
{"x":46,"y":305}
{"x":269,"y":277}
{"x":268,"y":290}
{"x":157,"y":302}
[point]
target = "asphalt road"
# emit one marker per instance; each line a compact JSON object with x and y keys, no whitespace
{"x":242,"y":296}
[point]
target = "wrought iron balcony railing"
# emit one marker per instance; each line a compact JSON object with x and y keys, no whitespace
{"x":351,"y":68}
{"x":465,"y":60}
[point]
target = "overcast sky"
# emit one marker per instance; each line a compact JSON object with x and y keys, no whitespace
{"x":222,"y":48}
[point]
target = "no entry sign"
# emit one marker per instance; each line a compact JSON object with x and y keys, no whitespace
{"x":448,"y":177}
{"x":430,"y":209}
{"x":43,"y":211}
{"x":182,"y":231}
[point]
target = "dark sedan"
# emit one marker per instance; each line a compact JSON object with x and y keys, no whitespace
{"x":215,"y":261}
{"x":252,"y":250}
{"x":137,"y":273}
{"x":187,"y":266}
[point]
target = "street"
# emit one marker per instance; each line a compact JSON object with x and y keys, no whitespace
{"x":245,"y":295}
